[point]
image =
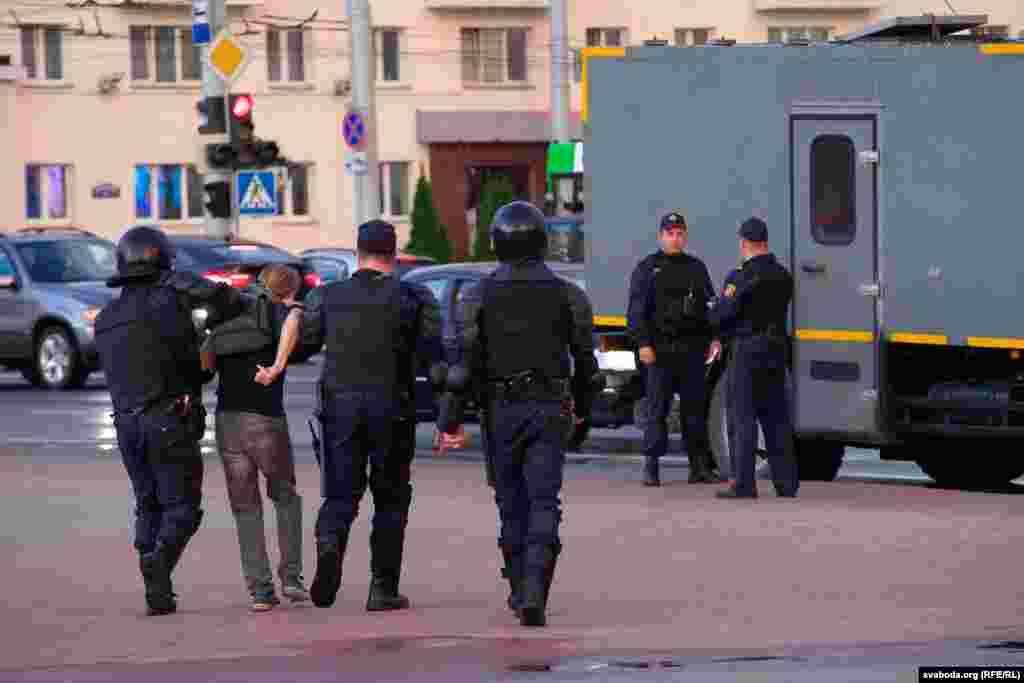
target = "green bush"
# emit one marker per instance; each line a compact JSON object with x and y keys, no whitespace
{"x":427,"y":236}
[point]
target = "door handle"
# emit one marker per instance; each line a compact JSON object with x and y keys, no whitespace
{"x":812,"y":267}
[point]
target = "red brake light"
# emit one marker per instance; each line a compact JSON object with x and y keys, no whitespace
{"x":236,"y":280}
{"x":313,"y":279}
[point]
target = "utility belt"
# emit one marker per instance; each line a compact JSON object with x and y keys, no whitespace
{"x":527,"y":386}
{"x":168,"y":424}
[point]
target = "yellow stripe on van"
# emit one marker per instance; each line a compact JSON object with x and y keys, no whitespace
{"x":610,"y":320}
{"x":835,"y":335}
{"x":996,"y":342}
{"x":1002,"y":49}
{"x":916,"y":338}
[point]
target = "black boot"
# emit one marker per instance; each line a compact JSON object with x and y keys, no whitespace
{"x":329,"y":556}
{"x":703,"y":469}
{"x":156,"y":575}
{"x":652,"y":475}
{"x":513,"y":571}
{"x":384,"y":594}
{"x":537,"y":577}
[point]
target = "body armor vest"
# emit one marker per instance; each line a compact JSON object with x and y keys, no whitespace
{"x":680,"y":305}
{"x":770,"y":295}
{"x":363,"y":335}
{"x":140,"y":366}
{"x":526,"y":326}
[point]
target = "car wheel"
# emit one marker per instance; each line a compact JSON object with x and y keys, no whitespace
{"x":58,"y":364}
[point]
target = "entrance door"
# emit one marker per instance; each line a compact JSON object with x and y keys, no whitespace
{"x":835,"y":271}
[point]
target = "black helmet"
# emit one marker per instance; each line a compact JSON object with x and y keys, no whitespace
{"x":518,"y":232}
{"x":144,"y":250}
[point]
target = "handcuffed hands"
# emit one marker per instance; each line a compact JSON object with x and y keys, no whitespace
{"x":266,"y":376}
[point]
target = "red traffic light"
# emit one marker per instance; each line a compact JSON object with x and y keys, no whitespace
{"x":241,"y":107}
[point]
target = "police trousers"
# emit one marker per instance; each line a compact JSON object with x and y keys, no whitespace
{"x":674,"y":372}
{"x":369,"y":439}
{"x":526,"y":450}
{"x":758,"y":394}
{"x":167,"y":480}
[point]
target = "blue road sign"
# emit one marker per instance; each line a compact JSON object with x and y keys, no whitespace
{"x":354,"y":130}
{"x":200,"y":34}
{"x":257,"y":193}
{"x":200,"y":22}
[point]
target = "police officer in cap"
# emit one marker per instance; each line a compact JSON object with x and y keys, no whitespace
{"x":753,"y":312}
{"x":377,"y":330}
{"x":149,"y":349}
{"x":669,"y":294}
{"x":517,"y":332}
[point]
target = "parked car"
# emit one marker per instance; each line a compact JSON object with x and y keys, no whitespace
{"x":52,"y":287}
{"x":337,"y":263}
{"x":449,"y":281}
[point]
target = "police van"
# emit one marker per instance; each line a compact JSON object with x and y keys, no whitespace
{"x":887,"y":166}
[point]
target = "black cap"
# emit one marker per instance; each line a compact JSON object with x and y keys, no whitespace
{"x":377,"y":237}
{"x":754,"y":229}
{"x":671,"y":219}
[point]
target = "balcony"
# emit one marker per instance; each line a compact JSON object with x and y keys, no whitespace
{"x":473,"y":5}
{"x":818,"y":5}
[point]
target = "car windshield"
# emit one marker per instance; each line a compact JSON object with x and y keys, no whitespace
{"x":69,"y":260}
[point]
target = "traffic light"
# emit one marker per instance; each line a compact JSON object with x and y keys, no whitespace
{"x":240,"y":125}
{"x":222,"y":155}
{"x":211,"y":116}
{"x":218,"y":199}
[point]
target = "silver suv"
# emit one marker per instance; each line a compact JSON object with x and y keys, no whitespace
{"x":52,"y":287}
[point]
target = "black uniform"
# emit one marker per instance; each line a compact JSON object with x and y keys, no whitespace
{"x":377,"y":330}
{"x":754,"y":314}
{"x":149,"y":350}
{"x":668,"y":303}
{"x":518,"y":330}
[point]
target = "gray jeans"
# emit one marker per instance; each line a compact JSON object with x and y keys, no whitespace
{"x":249,"y":444}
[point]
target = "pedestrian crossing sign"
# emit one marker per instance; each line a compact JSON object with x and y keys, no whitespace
{"x":257,"y":193}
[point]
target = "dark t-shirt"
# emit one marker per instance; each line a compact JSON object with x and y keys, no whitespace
{"x":238,"y":392}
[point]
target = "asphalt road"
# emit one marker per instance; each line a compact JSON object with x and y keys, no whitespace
{"x":51,"y":422}
{"x":864,"y":579}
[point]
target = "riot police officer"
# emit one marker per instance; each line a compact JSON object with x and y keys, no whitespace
{"x":753,"y":312}
{"x":149,"y":350}
{"x":516,"y":331}
{"x":669,"y":293}
{"x":377,"y":329}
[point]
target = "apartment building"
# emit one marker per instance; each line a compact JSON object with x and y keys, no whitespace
{"x":100,"y":120}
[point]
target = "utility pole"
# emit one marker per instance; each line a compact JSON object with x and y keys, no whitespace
{"x":214,"y":89}
{"x":366,"y":177}
{"x":563,"y":187}
{"x":559,"y":71}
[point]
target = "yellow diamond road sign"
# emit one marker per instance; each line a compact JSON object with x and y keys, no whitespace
{"x":228,"y":56}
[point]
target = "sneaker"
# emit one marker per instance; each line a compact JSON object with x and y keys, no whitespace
{"x":294,"y":590}
{"x":264,"y":602}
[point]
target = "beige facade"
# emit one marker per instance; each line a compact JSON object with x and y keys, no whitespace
{"x":111,"y":104}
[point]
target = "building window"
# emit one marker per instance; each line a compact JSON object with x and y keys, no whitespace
{"x":833,"y":190}
{"x":493,"y":55}
{"x":286,"y":55}
{"x":163,"y":54}
{"x":991,"y":32}
{"x":46,"y":192}
{"x":689,"y":37}
{"x":168,"y":192}
{"x":387,"y":53}
{"x":605,"y":37}
{"x":786,"y":34}
{"x":42,"y":52}
{"x":394,"y":188}
{"x":293,"y":190}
